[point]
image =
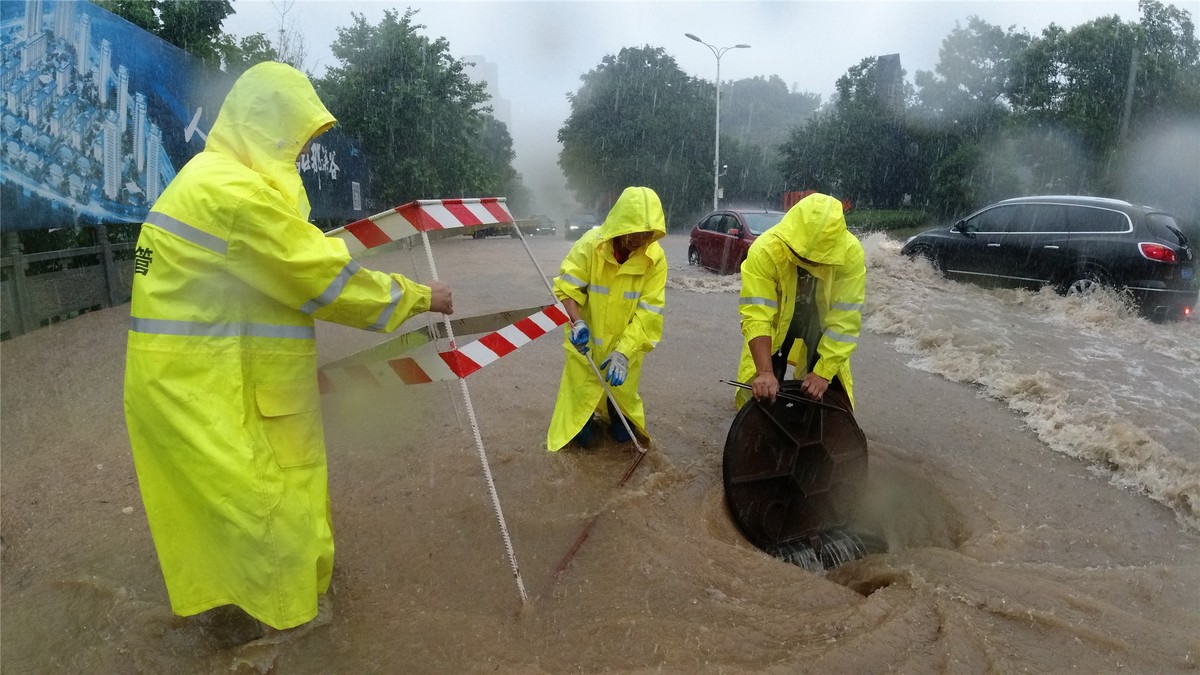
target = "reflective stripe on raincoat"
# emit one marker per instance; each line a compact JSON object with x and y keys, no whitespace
{"x":815,"y":229}
{"x":221,"y":395}
{"x":622,"y":304}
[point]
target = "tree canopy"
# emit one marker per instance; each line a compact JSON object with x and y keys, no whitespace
{"x":195,"y":27}
{"x":638,"y":119}
{"x":423,"y":123}
{"x":1005,"y":114}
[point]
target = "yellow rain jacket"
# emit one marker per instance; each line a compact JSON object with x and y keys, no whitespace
{"x":622,"y":304}
{"x":815,"y":229}
{"x":221,"y":394}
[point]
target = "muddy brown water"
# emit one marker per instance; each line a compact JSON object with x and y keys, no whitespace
{"x":1004,"y":556}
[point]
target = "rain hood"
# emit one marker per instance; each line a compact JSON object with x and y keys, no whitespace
{"x":814,"y":229}
{"x":638,"y":209}
{"x":267,"y":118}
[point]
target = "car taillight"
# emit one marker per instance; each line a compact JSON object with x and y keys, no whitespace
{"x":1158,"y":252}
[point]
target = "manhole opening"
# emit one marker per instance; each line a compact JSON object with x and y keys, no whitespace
{"x":829,"y":549}
{"x":795,"y":472}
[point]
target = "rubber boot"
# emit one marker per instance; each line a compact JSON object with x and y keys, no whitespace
{"x":619,"y":433}
{"x":584,"y":438}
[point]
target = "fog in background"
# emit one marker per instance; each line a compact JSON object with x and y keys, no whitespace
{"x":540,"y":49}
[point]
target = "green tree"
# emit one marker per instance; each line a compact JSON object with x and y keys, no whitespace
{"x":860,"y":149}
{"x":761,"y":110}
{"x":238,"y":54}
{"x":141,"y":13}
{"x":1103,"y":83}
{"x":967,"y":89}
{"x":195,"y":27}
{"x":412,"y":107}
{"x":638,"y":119}
{"x":757,"y":115}
{"x":494,"y":145}
{"x":961,"y":111}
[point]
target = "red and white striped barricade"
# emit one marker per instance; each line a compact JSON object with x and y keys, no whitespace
{"x":375,"y":368}
{"x":423,"y":215}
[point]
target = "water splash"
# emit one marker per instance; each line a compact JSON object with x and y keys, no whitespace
{"x":828,"y":549}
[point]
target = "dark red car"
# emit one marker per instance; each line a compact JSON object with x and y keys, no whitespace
{"x":720,"y":240}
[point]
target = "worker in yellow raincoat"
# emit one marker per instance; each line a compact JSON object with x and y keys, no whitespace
{"x":803,"y":285}
{"x":221,"y":397}
{"x":613,"y":286}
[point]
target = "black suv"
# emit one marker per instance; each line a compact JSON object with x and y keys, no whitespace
{"x":1073,"y":243}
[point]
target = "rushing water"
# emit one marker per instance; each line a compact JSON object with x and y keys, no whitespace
{"x":1032,"y":477}
{"x":1087,"y":375}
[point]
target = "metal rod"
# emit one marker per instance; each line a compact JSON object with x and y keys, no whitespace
{"x":787,"y":397}
{"x":608,"y":392}
{"x":487,"y":469}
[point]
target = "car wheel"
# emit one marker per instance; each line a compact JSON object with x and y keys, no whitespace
{"x":1085,"y":281}
{"x":693,"y":256}
{"x":930,"y":256}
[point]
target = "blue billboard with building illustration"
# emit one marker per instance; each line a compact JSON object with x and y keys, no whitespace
{"x":97,"y":116}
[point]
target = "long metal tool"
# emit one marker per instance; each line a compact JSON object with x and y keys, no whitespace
{"x":641,"y":452}
{"x":487,"y":469}
{"x":595,"y":369}
{"x":787,"y":397}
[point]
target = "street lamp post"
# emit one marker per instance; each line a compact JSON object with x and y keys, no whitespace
{"x":717,"y":52}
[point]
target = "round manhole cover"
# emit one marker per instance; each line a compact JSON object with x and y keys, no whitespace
{"x":794,"y":468}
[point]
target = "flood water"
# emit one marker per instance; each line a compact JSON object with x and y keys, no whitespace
{"x":1034,"y":472}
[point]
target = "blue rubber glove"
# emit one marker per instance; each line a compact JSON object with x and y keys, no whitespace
{"x":580,"y":335}
{"x":618,"y":367}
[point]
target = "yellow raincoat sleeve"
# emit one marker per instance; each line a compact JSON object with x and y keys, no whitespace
{"x":758,"y":304}
{"x":573,"y":276}
{"x":294,"y":263}
{"x":645,"y":329}
{"x":842,"y":322}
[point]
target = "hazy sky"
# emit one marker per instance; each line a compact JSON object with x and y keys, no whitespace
{"x":542,"y":47}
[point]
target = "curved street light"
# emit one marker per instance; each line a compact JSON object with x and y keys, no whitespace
{"x":717,"y":52}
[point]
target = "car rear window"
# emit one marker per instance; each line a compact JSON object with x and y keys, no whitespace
{"x":760,"y":222}
{"x":1164,"y":227}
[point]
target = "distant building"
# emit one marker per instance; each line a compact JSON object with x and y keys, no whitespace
{"x":154,"y":151}
{"x":480,"y":70}
{"x":83,"y":38}
{"x":64,"y":20}
{"x":122,"y":98}
{"x":889,"y":82}
{"x":34,"y":50}
{"x":112,"y":156}
{"x":103,"y":68}
{"x":139,"y":130}
{"x":33,"y":18}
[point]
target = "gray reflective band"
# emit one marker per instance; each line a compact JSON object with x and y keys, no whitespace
{"x":650,"y":308}
{"x":333,"y":290}
{"x":833,"y":335}
{"x":632,"y":295}
{"x":593,"y":288}
{"x":758,"y":301}
{"x":849,"y":306}
{"x":198,"y":329}
{"x":572,"y":280}
{"x":384,"y":316}
{"x":599,"y":341}
{"x":184,"y":231}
